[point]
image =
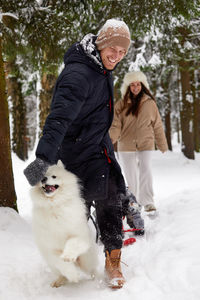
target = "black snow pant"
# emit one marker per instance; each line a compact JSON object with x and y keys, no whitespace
{"x":108,"y":208}
{"x":109,"y":216}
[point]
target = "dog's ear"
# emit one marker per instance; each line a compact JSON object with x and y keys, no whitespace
{"x":60,"y":164}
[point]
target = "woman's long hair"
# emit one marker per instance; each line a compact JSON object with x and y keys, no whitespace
{"x":135,"y":100}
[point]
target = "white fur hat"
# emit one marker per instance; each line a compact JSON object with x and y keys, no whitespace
{"x":132,"y":77}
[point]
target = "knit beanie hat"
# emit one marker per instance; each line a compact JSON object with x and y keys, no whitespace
{"x":132,"y":77}
{"x":113,"y":33}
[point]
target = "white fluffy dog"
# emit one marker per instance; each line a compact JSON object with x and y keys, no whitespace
{"x":60,"y":226}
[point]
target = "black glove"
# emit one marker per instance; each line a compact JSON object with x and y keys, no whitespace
{"x":36,"y":170}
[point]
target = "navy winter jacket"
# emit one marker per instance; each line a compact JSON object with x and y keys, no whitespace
{"x":76,"y":130}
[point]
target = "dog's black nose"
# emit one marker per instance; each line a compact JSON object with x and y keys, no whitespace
{"x":44,"y":180}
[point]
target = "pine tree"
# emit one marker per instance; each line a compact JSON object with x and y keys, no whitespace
{"x":7,"y":189}
{"x":11,"y":49}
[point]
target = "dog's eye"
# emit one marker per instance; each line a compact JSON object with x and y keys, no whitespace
{"x":53,"y":176}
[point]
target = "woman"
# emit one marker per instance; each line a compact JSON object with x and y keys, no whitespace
{"x":137,"y":127}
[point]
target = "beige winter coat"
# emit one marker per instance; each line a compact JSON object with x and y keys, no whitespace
{"x":138,"y":133}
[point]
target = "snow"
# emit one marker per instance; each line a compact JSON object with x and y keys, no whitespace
{"x":162,"y":265}
{"x":139,"y":63}
{"x":89,"y":48}
{"x":154,"y":61}
{"x":9,"y":15}
{"x":113,"y":23}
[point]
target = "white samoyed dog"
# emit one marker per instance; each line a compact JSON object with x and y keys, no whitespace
{"x":60,"y":226}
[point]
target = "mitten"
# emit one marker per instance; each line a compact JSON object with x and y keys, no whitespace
{"x":132,"y":211}
{"x":134,"y":220}
{"x":36,"y":170}
{"x":125,"y":203}
{"x":128,"y":201}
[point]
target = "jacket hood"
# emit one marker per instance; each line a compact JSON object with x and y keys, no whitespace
{"x":85,"y":52}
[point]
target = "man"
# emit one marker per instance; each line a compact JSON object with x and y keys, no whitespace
{"x":76,"y":131}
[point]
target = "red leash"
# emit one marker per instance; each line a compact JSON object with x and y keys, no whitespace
{"x":129,"y":241}
{"x":131,"y":230}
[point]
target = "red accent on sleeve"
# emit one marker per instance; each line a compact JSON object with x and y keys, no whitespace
{"x":109,"y":160}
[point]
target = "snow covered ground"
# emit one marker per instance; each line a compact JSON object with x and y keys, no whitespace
{"x":162,"y":265}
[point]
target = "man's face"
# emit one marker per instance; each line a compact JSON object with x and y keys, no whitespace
{"x":110,"y":56}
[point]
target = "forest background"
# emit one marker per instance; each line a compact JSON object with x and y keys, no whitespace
{"x":34,"y":35}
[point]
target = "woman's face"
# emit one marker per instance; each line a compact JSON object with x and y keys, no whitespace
{"x":135,"y":87}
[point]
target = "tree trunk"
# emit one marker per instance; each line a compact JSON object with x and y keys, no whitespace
{"x":168,"y":125}
{"x":196,"y":112}
{"x":14,"y":87}
{"x":7,"y":189}
{"x":165,"y":82}
{"x":47,"y":82}
{"x":186,"y":111}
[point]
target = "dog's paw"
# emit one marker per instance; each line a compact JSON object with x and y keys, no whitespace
{"x":59,"y":282}
{"x":68,"y":257}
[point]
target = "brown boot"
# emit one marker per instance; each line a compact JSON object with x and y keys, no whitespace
{"x":113,"y":269}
